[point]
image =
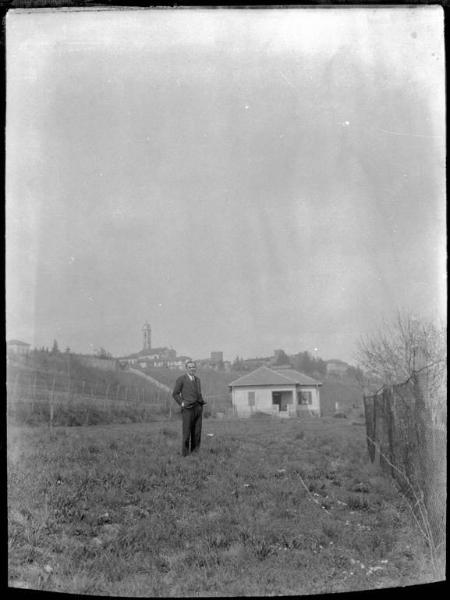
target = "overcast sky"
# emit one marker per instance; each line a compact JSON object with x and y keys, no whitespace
{"x":244,"y":180}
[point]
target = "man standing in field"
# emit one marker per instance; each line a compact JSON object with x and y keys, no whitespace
{"x":187,"y":394}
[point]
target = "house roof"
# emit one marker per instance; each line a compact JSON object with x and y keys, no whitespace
{"x":265,"y":376}
{"x":152,"y":351}
{"x":336,"y":361}
{"x":17,"y":343}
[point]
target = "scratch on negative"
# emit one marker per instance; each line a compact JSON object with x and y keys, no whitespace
{"x":287,"y":80}
{"x":409,"y":134}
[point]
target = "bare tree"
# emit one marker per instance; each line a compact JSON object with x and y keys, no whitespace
{"x":401,"y":346}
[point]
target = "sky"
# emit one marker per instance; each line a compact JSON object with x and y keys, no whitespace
{"x":243,"y":180}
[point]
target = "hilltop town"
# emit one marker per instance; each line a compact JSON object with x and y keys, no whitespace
{"x":167,"y":357}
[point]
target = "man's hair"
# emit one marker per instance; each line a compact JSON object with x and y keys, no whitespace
{"x":189,"y":362}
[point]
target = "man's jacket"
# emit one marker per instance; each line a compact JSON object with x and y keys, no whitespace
{"x":188,"y":391}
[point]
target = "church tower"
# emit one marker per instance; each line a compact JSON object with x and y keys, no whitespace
{"x":147,"y":331}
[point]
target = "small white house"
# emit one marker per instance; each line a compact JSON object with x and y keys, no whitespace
{"x":276,"y":391}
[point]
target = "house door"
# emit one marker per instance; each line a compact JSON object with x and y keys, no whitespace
{"x":282,"y":400}
{"x":287,"y":399}
{"x":276,"y":399}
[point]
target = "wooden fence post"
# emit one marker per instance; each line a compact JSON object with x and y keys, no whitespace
{"x":52,"y":398}
{"x":16,"y":384}
{"x":106,"y":396}
{"x":32,"y":397}
{"x":15,"y":394}
{"x":34,"y":385}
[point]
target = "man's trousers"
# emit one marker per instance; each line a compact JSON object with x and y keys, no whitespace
{"x":192,"y":428}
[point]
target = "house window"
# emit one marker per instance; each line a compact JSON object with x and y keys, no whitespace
{"x":305,"y":397}
{"x":251,"y":398}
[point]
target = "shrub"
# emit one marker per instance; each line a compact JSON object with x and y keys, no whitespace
{"x":340,"y":415}
{"x":381,"y":543}
{"x":169,"y":433}
{"x":357,"y":503}
{"x":260,"y":415}
{"x":331,"y":531}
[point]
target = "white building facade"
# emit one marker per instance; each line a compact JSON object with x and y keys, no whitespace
{"x":18,"y":348}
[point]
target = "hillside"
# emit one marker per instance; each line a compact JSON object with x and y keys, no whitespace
{"x":343,"y":391}
{"x":62,"y":372}
{"x":87,"y":394}
{"x":214,"y":384}
{"x":57,"y":389}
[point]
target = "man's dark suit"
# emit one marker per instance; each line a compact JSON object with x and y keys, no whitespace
{"x":189,"y":394}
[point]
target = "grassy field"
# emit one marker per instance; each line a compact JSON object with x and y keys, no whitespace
{"x":267,"y":507}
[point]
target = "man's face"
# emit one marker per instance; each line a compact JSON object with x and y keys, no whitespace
{"x":191,"y":368}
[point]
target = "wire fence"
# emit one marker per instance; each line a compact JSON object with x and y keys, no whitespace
{"x":73,"y":401}
{"x":406,"y":428}
{"x":46,"y":404}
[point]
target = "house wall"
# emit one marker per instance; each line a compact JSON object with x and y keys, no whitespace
{"x":315,"y":397}
{"x":336,"y":368}
{"x":263,"y":400}
{"x":18,"y":349}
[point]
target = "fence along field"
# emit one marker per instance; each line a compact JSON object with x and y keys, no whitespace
{"x":407,"y":437}
{"x":62,"y":391}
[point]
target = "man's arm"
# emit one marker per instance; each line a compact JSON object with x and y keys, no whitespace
{"x":202,"y":400}
{"x":176,"y":394}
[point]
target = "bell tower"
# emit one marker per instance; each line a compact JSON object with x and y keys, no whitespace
{"x":147,"y":335}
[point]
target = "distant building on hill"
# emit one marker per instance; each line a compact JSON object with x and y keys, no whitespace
{"x":282,"y":392}
{"x":17,"y":348}
{"x":215,"y":361}
{"x":147,"y":334}
{"x":178,"y":362}
{"x":148,"y":356}
{"x":336,"y":367}
{"x":156,"y":357}
{"x":216,"y":358}
{"x":254,"y":363}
